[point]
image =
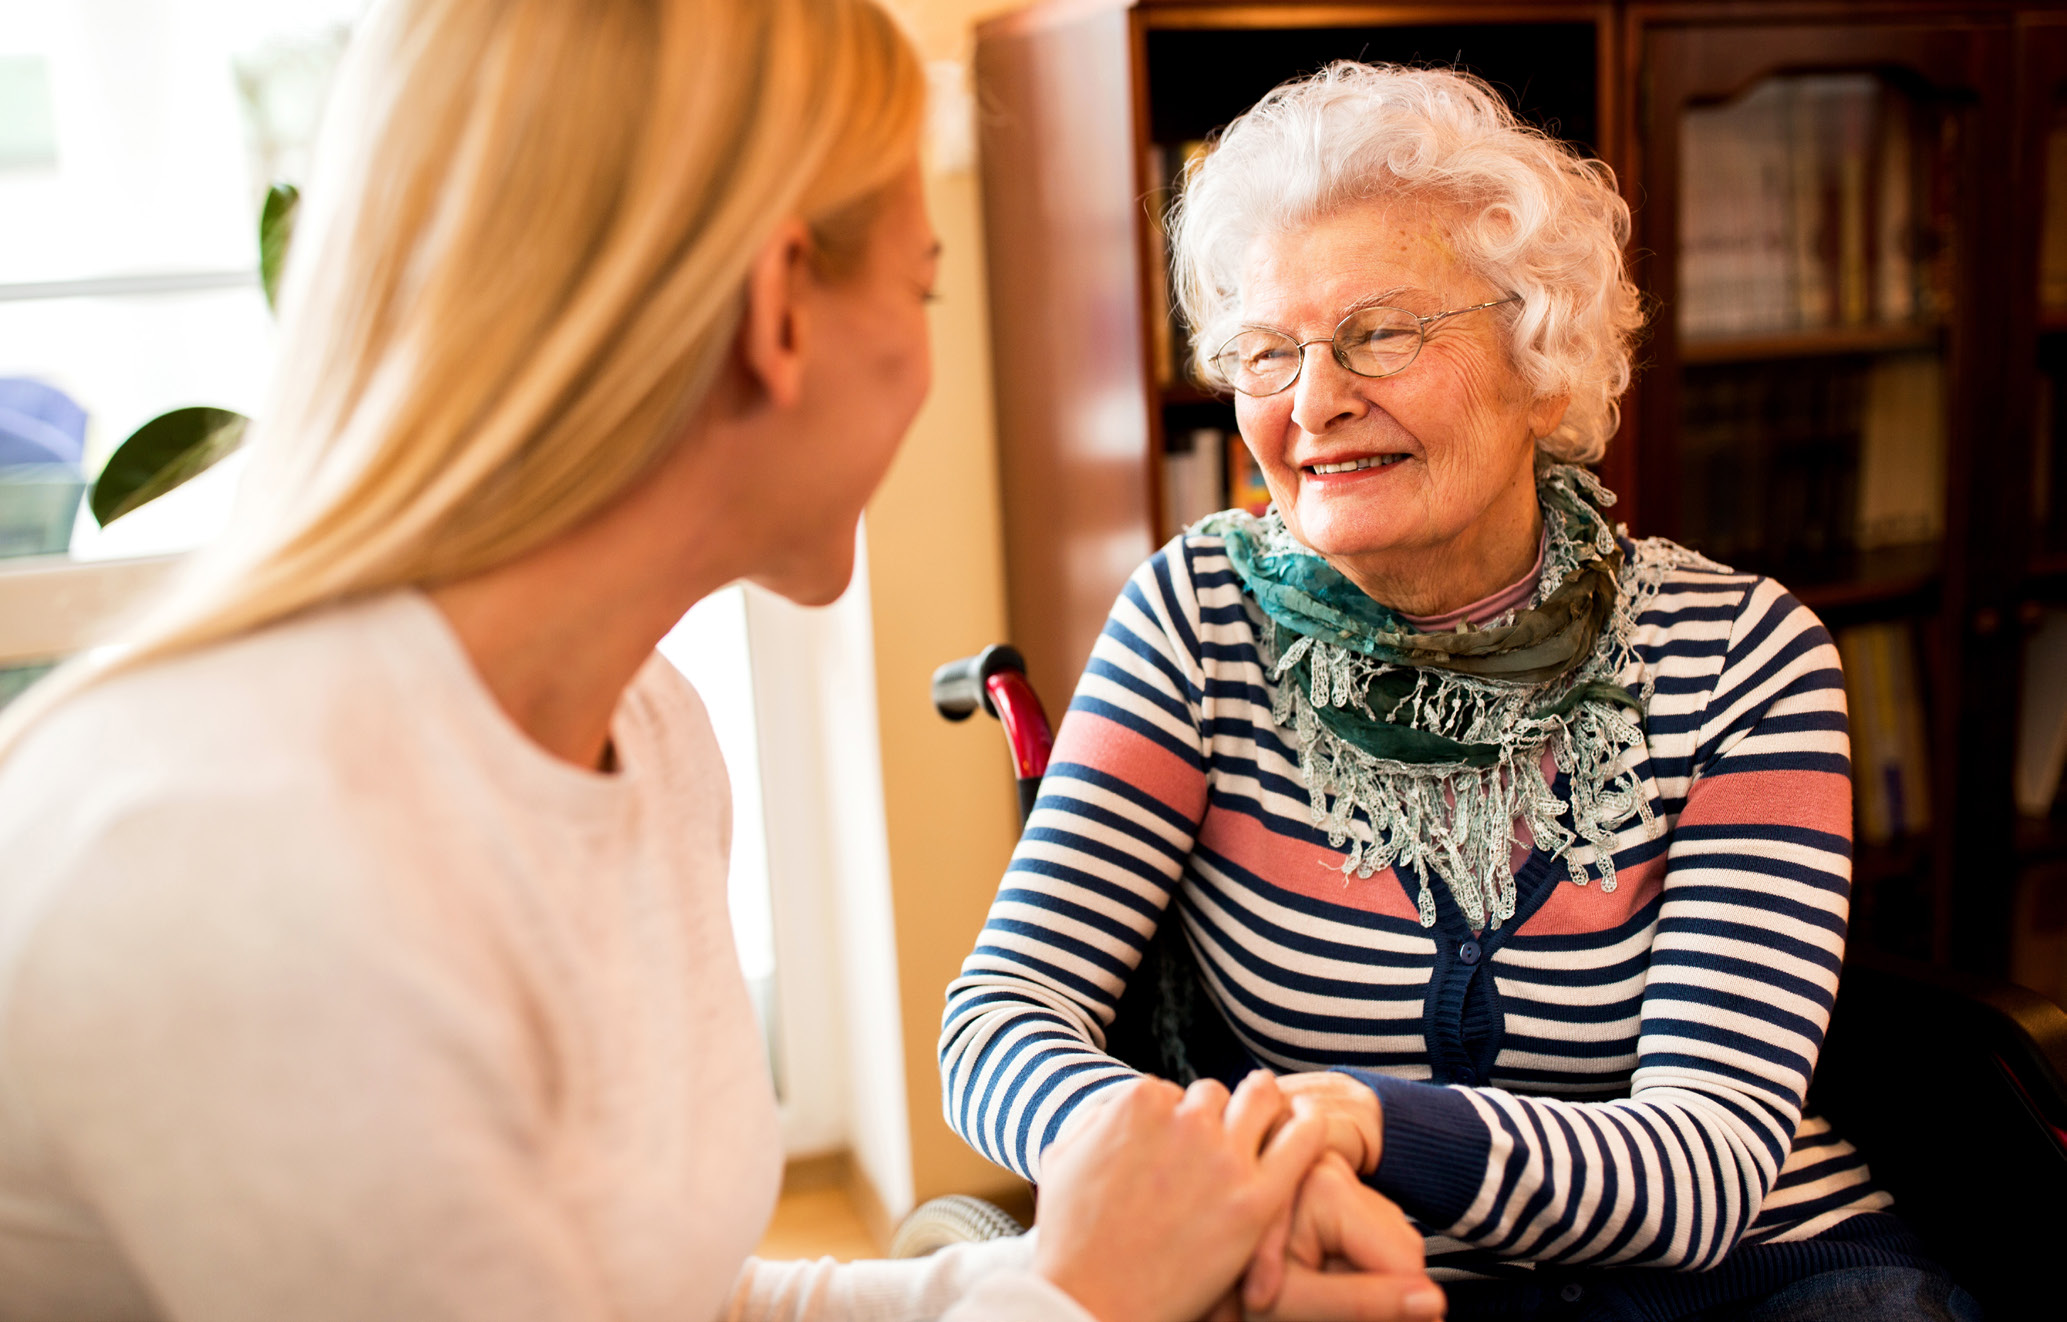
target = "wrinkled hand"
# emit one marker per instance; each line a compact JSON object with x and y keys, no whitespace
{"x":1153,"y":1206}
{"x":1348,"y":1255}
{"x":1348,"y":1108}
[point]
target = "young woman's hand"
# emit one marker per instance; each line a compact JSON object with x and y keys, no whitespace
{"x":1349,"y":1256}
{"x":1152,"y":1207}
{"x":1348,"y":1108}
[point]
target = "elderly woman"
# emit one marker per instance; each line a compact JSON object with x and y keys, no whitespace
{"x":1536,"y":836}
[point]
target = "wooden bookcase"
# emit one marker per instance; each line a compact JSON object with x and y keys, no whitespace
{"x":1080,"y":100}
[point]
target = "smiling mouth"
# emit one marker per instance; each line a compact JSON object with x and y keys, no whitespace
{"x":1355,"y":465}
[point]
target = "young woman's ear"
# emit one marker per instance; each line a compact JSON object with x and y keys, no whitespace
{"x":774,"y":331}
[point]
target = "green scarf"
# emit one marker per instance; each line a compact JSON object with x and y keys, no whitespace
{"x":1427,"y":748}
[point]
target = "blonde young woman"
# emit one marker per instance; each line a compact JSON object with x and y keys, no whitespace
{"x":363,"y":951}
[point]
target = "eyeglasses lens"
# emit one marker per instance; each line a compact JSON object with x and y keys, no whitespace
{"x":1378,"y":341}
{"x":1373,"y":342}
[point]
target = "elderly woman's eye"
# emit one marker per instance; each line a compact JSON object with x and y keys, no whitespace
{"x":1383,"y":336}
{"x":1253,"y":353}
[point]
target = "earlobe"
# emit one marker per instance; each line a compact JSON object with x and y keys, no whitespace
{"x":1546,"y":413}
{"x":775,"y":327}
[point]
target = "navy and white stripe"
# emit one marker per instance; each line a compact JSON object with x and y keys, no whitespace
{"x":1609,"y":1078}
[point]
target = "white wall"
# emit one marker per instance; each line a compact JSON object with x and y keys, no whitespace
{"x":836,"y":950}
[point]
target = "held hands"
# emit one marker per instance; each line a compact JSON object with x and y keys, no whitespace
{"x":1349,"y":1256}
{"x":1152,"y":1206}
{"x":1156,"y":1204}
{"x":1348,"y":1108}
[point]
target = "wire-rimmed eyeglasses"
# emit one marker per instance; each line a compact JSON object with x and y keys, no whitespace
{"x":1373,"y":341}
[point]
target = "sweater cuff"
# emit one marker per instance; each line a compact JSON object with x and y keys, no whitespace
{"x":1432,"y":1155}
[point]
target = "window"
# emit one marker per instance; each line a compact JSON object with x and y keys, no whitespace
{"x":137,"y":138}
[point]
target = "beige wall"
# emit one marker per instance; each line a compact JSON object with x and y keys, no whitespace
{"x":937,"y":586}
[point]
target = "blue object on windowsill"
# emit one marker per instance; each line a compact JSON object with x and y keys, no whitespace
{"x":39,"y":424}
{"x":42,"y":444}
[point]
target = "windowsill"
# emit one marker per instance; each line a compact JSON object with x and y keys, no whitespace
{"x":52,"y":605}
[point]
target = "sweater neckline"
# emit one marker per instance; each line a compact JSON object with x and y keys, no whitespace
{"x":427,"y":636}
{"x":1490,"y":607}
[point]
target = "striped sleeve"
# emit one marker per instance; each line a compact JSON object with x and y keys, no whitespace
{"x":1022,"y":1038}
{"x":1742,"y":974}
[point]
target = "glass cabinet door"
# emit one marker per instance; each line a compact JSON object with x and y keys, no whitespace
{"x":1814,"y":285}
{"x":1812,"y":225}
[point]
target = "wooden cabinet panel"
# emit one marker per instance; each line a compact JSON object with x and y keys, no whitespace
{"x":1062,"y":210}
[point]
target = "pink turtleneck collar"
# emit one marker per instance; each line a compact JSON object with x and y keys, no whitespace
{"x":1490,"y":608}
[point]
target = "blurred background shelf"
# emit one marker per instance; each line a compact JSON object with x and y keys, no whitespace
{"x":1851,"y":584}
{"x":1820,"y":343}
{"x":1182,"y":394}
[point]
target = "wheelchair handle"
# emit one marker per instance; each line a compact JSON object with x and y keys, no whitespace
{"x":995,"y":680}
{"x":959,"y":686}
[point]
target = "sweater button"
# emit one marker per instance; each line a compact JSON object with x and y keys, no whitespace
{"x":1468,"y":952}
{"x":1466,"y":1075}
{"x":1572,"y":1293}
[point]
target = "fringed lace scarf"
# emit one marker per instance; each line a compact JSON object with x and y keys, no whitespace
{"x":1427,"y":748}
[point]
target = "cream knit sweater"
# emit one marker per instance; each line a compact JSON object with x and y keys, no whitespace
{"x":325,"y":994}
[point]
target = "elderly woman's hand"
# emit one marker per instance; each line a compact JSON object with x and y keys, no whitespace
{"x":1153,"y":1207}
{"x":1350,"y":1256}
{"x":1355,"y":1123}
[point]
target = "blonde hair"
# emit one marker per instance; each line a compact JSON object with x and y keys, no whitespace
{"x":519,"y":266}
{"x":1532,"y":216}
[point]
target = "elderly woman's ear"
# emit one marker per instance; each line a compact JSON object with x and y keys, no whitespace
{"x":1546,"y":413}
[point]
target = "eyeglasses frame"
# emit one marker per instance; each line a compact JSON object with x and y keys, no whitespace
{"x":1335,"y":346}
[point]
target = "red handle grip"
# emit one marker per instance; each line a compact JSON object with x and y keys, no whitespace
{"x":1026,"y":725}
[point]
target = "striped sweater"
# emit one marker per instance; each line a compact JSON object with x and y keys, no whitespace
{"x":1611,"y":1077}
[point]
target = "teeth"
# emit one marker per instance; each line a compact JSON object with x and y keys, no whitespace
{"x":1357,"y":465}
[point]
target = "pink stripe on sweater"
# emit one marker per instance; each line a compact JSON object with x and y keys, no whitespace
{"x":1091,"y":740}
{"x":1816,"y":800}
{"x":1314,"y":871}
{"x":1575,"y":910}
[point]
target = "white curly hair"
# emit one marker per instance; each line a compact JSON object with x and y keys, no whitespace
{"x":1532,"y":216}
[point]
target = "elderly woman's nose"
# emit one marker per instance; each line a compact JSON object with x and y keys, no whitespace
{"x":1326,"y":393}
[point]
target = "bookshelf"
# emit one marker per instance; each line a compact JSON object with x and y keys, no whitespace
{"x":1828,"y":342}
{"x":1840,"y":224}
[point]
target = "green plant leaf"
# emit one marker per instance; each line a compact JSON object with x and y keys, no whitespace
{"x":170,"y":449}
{"x":275,"y":233}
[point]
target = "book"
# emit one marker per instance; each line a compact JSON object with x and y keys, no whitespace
{"x":1168,"y":166}
{"x":1894,"y":219}
{"x":1807,"y":148}
{"x":1194,"y":477}
{"x":2042,"y":717}
{"x":1736,"y":256}
{"x":2052,"y":279}
{"x":1245,"y":487}
{"x":1162,"y":347}
{"x":1890,"y":759}
{"x":1853,"y":110}
{"x":1770,"y":456}
{"x":1797,"y":208}
{"x":1902,"y":451}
